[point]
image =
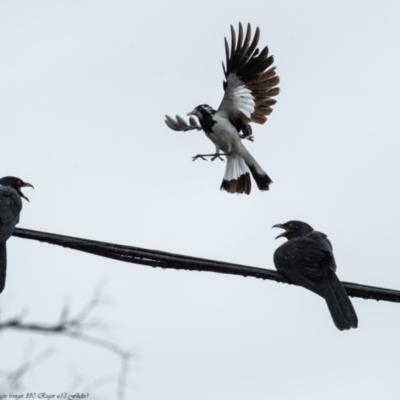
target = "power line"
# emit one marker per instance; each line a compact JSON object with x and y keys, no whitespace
{"x":155,"y":258}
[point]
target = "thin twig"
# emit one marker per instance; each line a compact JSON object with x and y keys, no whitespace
{"x":73,"y":328}
{"x":14,"y":378}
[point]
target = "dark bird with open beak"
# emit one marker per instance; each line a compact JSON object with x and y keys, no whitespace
{"x":10,"y":207}
{"x":307,"y":260}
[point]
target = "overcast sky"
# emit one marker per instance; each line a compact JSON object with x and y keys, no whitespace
{"x":84,"y":87}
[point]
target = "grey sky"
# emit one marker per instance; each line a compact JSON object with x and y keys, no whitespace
{"x":84,"y":87}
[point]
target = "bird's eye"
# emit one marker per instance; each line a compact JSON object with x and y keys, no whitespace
{"x":19,"y":183}
{"x":290,"y":226}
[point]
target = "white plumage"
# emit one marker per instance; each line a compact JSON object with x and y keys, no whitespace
{"x":251,"y":84}
{"x":237,"y":98}
{"x":235,"y":167}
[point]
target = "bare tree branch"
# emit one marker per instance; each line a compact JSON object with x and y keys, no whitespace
{"x":74,"y":328}
{"x":154,"y":258}
{"x":14,"y":378}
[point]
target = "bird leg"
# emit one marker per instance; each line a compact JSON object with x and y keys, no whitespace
{"x":214,"y":156}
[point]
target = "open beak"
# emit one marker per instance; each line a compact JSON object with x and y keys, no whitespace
{"x":282,"y":227}
{"x":25,"y":185}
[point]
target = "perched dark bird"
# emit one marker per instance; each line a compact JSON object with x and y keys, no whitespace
{"x":306,"y":259}
{"x":10,"y":207}
{"x":251,"y":83}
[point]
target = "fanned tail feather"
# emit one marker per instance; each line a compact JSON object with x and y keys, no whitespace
{"x":237,"y":176}
{"x":262,"y":179}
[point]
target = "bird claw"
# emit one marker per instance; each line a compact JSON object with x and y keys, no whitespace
{"x":251,"y":137}
{"x":217,"y":156}
{"x":214,"y":156}
{"x":198,"y":156}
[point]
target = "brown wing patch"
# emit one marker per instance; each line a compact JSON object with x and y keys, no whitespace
{"x":254,"y":69}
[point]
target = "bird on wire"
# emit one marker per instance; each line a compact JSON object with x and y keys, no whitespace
{"x":250,"y":86}
{"x":306,"y":259}
{"x":10,"y":207}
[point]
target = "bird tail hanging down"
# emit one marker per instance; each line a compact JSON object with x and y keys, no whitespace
{"x":262,"y":179}
{"x":3,"y":265}
{"x":339,"y":304}
{"x":237,"y":175}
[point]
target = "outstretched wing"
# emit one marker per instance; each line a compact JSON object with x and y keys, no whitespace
{"x":180,"y":124}
{"x":251,"y":81}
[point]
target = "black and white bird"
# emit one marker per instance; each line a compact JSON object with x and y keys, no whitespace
{"x":306,"y":259}
{"x":10,"y":207}
{"x":250,"y":85}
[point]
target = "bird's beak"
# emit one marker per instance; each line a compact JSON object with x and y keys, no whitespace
{"x":25,"y":185}
{"x":194,"y":112}
{"x":282,"y":227}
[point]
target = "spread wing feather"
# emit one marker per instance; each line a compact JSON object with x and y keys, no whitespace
{"x":251,"y":81}
{"x":180,"y":124}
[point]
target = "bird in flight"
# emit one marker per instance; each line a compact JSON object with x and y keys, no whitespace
{"x":10,"y":207}
{"x":307,"y":260}
{"x":250,"y":86}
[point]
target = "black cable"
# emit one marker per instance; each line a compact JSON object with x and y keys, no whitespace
{"x":155,"y":258}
